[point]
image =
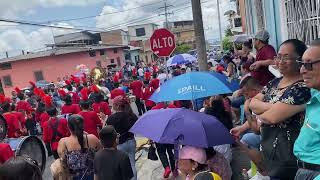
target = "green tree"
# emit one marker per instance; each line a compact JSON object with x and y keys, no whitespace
{"x":227,"y":44}
{"x":183,"y":48}
{"x":228,"y":32}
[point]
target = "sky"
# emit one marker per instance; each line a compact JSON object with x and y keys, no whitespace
{"x":96,"y":15}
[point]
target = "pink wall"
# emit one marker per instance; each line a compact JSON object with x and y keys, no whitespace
{"x":53,"y":67}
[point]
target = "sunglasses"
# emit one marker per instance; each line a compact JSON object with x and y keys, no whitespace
{"x":308,"y":65}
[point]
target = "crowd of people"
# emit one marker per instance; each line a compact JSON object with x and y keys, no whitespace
{"x":85,"y":126}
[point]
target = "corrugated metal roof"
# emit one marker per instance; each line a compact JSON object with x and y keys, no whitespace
{"x":58,"y":51}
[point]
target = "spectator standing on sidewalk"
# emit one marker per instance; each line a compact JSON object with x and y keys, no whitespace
{"x":307,"y":146}
{"x":264,"y":58}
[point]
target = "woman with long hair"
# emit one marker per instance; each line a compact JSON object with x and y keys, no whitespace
{"x":78,"y":149}
{"x":218,"y":110}
{"x":122,"y":120}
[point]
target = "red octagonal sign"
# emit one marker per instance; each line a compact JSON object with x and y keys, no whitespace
{"x":162,"y":42}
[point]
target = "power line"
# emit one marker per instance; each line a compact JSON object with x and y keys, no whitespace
{"x":94,"y":16}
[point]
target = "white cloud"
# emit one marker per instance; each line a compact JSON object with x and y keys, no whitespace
{"x":9,"y":9}
{"x":180,"y":9}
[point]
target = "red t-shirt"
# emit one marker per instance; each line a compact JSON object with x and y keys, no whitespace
{"x":146,"y":94}
{"x":13,"y":125}
{"x":5,"y":152}
{"x":263,"y":75}
{"x":117,"y":92}
{"x":101,"y":107}
{"x":44,"y":117}
{"x":70,"y":109}
{"x":171,"y":106}
{"x":48,"y":132}
{"x":134,"y":72}
{"x":75,"y":97}
{"x":155,"y":83}
{"x":20,"y":116}
{"x":158,"y":106}
{"x":136,"y":87}
{"x":23,"y":106}
{"x":91,"y":121}
{"x":116,"y":79}
{"x":147,"y":76}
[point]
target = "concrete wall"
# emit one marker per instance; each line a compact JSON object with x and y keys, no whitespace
{"x":113,"y":37}
{"x":149,"y":28}
{"x":53,"y":67}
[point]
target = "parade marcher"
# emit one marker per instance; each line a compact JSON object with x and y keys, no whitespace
{"x":54,"y":129}
{"x":74,"y":95}
{"x":20,"y":168}
{"x":91,"y":121}
{"x":147,"y":76}
{"x":122,"y":120}
{"x":68,"y":107}
{"x":281,"y":108}
{"x":264,"y":58}
{"x":13,"y":123}
{"x":307,"y":145}
{"x":77,"y":150}
{"x":155,"y":82}
{"x":22,"y":105}
{"x":99,"y":106}
{"x":136,"y":87}
{"x":117,"y":92}
{"x":5,"y":152}
{"x":118,"y":166}
{"x":146,"y":94}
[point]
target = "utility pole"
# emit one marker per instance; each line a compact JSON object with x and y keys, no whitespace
{"x":166,"y":13}
{"x":199,"y":33}
{"x":220,"y":30}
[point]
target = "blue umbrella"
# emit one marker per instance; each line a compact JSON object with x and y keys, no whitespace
{"x":231,"y":83}
{"x":182,"y":126}
{"x":181,"y":59}
{"x":191,"y":86}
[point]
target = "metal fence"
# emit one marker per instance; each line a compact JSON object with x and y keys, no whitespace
{"x":303,"y":18}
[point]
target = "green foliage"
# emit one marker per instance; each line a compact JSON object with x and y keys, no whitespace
{"x":227,"y":44}
{"x":183,"y":48}
{"x":228,"y":32}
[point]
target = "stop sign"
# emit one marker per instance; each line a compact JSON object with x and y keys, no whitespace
{"x":162,"y":42}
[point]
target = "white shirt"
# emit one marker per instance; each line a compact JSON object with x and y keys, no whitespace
{"x":140,"y":72}
{"x":162,"y":77}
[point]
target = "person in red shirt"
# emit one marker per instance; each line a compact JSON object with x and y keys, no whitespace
{"x":91,"y":120}
{"x":117,"y":92}
{"x":146,"y":94}
{"x":147,"y":76}
{"x":22,"y":105}
{"x":134,"y":72}
{"x":99,"y":106}
{"x":164,"y":149}
{"x":264,"y":58}
{"x":68,"y":107}
{"x":136,"y":87}
{"x":155,"y":82}
{"x":14,"y":125}
{"x":5,"y":152}
{"x":116,"y":80}
{"x":74,"y":95}
{"x":53,"y":130}
{"x":22,"y":120}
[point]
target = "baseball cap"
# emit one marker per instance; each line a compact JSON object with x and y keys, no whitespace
{"x":193,"y":153}
{"x":262,"y":35}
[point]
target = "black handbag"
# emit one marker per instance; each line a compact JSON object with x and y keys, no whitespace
{"x":152,"y":155}
{"x":277,"y":150}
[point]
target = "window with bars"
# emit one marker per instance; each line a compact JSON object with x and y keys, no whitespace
{"x":38,"y":75}
{"x":303,"y":19}
{"x":7,"y":81}
{"x":5,"y":66}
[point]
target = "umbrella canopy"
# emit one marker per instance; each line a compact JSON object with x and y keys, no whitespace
{"x":241,"y":38}
{"x":182,"y":126}
{"x":191,"y":86}
{"x":181,"y":59}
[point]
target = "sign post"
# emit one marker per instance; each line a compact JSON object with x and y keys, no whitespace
{"x":163,"y":44}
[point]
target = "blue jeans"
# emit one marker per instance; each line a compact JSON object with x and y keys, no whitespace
{"x":252,"y":140}
{"x":129,"y":147}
